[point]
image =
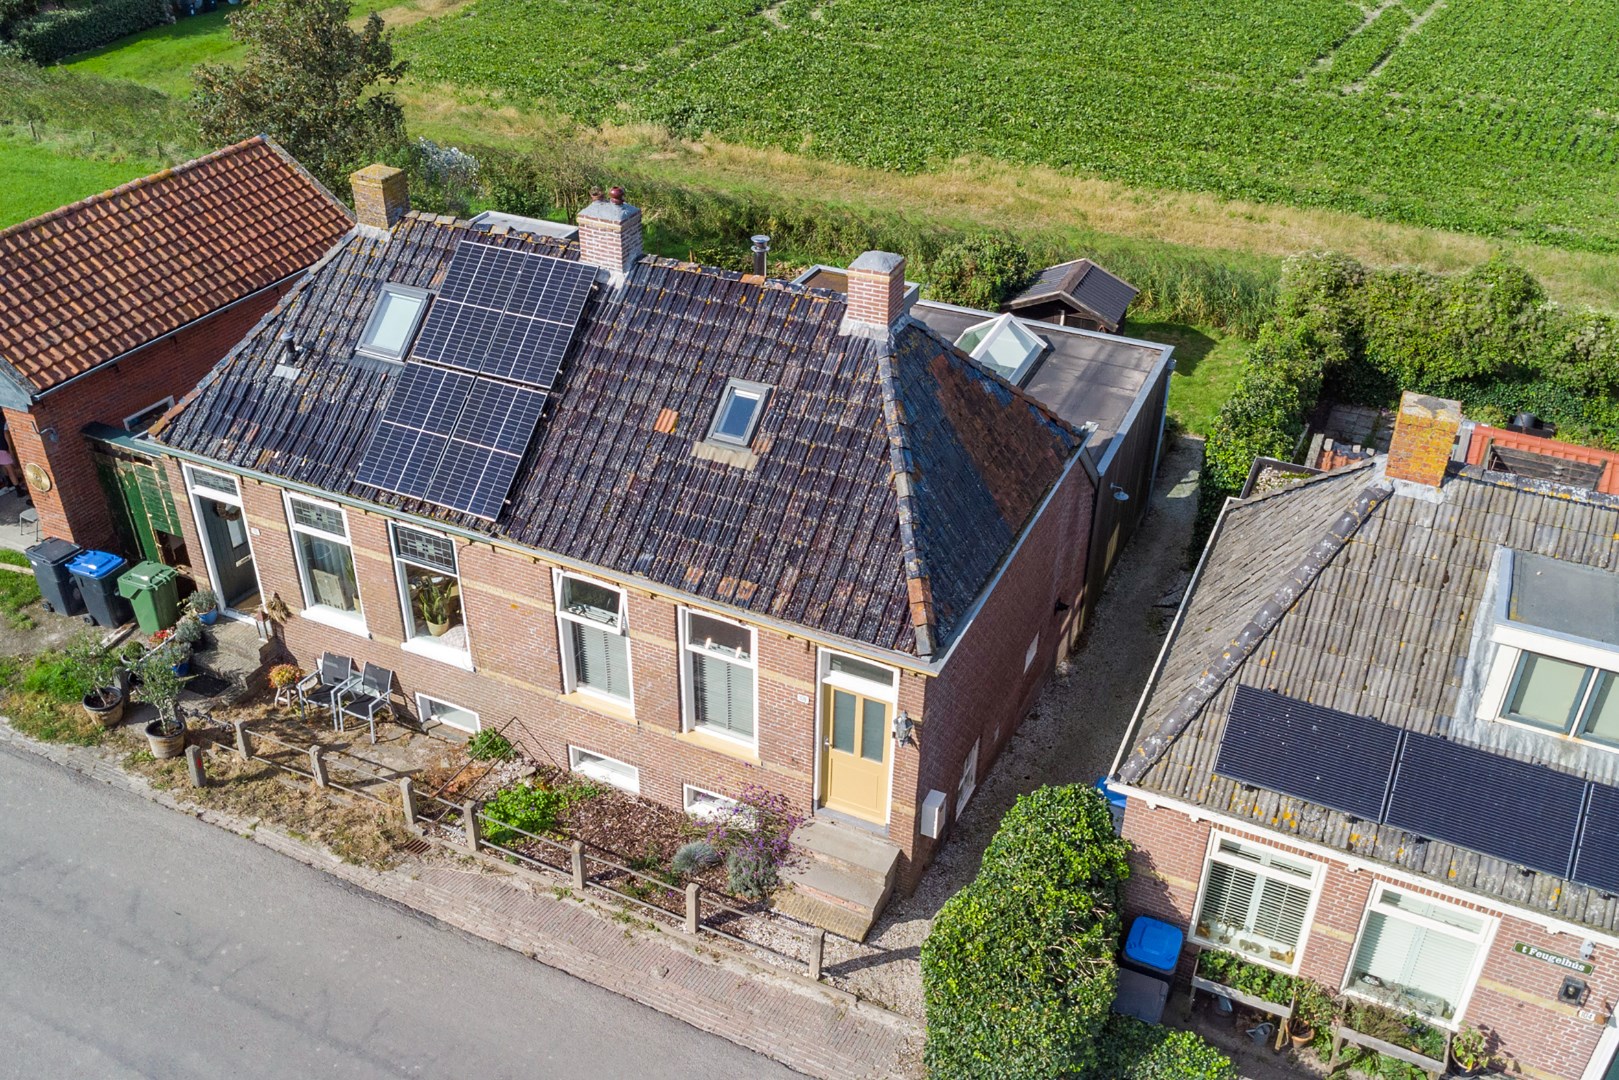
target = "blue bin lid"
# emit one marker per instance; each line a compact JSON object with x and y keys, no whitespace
{"x":1114,"y":797}
{"x":95,"y":564}
{"x":1154,"y":943}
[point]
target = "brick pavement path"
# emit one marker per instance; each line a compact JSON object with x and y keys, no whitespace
{"x":811,"y":1028}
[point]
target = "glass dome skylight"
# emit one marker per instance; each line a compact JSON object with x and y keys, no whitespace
{"x":1004,"y":345}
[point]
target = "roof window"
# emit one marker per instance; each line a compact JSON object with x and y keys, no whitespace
{"x":738,"y":415}
{"x":1004,"y":345}
{"x":393,"y":321}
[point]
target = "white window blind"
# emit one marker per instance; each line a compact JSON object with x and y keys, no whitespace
{"x":720,"y":667}
{"x":601,"y":659}
{"x":1255,"y":903}
{"x":1411,"y":960}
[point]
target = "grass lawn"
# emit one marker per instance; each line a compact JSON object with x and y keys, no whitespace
{"x":17,"y":591}
{"x":40,"y":179}
{"x":163,"y":56}
{"x":1206,"y":363}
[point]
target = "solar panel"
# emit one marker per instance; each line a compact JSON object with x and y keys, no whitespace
{"x":484,"y":450}
{"x":416,"y":426}
{"x":1527,"y":814}
{"x":1597,"y":864}
{"x":1332,"y":758}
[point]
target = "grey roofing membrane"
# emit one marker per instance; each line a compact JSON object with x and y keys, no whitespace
{"x":1384,"y":628}
{"x":1565,"y":598}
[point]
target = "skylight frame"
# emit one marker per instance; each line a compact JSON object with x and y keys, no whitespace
{"x":366,"y":345}
{"x":991,"y":331}
{"x":735,"y":389}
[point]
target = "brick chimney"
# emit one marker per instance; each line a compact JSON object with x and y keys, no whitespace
{"x":1424,"y":434}
{"x":876,"y":292}
{"x":381,"y":195}
{"x":610,"y":233}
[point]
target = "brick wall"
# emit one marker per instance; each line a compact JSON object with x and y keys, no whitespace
{"x":1515,"y":997}
{"x":75,"y":508}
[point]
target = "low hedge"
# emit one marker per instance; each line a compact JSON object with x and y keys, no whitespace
{"x":1136,"y":1050}
{"x":52,"y":35}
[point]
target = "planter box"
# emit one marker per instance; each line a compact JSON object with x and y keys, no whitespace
{"x":1342,"y":1035}
{"x":1282,"y":1012}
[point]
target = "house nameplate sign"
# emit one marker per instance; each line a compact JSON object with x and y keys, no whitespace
{"x":1553,"y":959}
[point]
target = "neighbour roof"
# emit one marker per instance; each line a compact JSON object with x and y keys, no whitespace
{"x":889,"y":481}
{"x":1084,"y":284}
{"x":1339,"y":592}
{"x":89,"y":282}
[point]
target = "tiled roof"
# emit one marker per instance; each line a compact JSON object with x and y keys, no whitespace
{"x":1338,"y":592}
{"x":817,"y":532}
{"x":1084,"y":284}
{"x":91,"y":281}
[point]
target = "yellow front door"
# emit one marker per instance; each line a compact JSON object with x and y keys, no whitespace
{"x":854,"y":773}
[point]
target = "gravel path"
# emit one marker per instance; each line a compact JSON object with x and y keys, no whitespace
{"x":1070,"y":737}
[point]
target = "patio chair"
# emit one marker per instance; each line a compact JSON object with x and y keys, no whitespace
{"x":29,"y":519}
{"x":324,"y":687}
{"x":370,"y":694}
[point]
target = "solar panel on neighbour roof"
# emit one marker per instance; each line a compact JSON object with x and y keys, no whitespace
{"x":1597,"y":863}
{"x":1527,"y":814}
{"x":1332,"y":758}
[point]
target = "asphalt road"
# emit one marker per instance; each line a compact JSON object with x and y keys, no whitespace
{"x":138,"y":942}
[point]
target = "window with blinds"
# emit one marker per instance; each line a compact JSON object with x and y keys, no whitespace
{"x":1416,"y":955}
{"x":595,"y":643}
{"x":1255,"y":903}
{"x":720,"y":668}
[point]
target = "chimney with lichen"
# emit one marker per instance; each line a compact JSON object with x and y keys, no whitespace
{"x":610,"y":232}
{"x":381,"y":195}
{"x":1424,"y":435}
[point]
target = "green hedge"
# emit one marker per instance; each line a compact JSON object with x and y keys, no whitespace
{"x":52,"y":35}
{"x":1018,"y":971}
{"x":1135,"y":1050}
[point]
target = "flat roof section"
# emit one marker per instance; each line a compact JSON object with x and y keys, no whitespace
{"x":1565,"y":598}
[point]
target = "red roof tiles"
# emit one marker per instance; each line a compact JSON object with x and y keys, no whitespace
{"x":93,"y":280}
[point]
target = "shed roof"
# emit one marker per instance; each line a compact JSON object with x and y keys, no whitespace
{"x":1083,"y":285}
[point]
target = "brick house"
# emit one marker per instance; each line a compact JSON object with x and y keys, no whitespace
{"x":115,"y":306}
{"x":1380,"y":747}
{"x":760,"y":533}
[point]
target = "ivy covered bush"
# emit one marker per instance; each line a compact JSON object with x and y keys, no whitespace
{"x":1018,"y":972}
{"x":1135,"y":1050}
{"x":49,"y":36}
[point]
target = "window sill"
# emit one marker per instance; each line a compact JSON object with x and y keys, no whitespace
{"x":444,"y":654}
{"x":1252,"y":958}
{"x":595,"y":703}
{"x":338,"y":620}
{"x":722,"y":744}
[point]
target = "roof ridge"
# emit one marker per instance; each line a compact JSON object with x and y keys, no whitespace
{"x":1153,"y":746}
{"x":919,"y":587}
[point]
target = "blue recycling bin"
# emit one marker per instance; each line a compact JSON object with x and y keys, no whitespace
{"x":97,"y":575}
{"x":1153,"y":946}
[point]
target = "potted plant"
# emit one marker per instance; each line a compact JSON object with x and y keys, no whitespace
{"x":1470,"y":1051}
{"x":204,"y":604}
{"x":176,"y":654}
{"x":436,"y":599}
{"x":1313,"y":1009}
{"x":283,"y":679}
{"x":160,"y":687}
{"x":101,"y":670}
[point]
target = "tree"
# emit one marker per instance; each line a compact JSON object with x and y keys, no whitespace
{"x":309,"y":82}
{"x":980,"y":271}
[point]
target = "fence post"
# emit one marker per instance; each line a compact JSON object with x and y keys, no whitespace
{"x":243,"y":745}
{"x":407,"y":800}
{"x":469,"y":819}
{"x":817,"y":949}
{"x":693,"y":891}
{"x":194,"y":769}
{"x":579,"y":866}
{"x":317,"y":764}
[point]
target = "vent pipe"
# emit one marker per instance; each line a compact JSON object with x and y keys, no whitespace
{"x":761,"y":248}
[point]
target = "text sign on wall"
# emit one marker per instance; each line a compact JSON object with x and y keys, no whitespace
{"x":1553,"y":959}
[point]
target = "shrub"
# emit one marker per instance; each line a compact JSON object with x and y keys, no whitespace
{"x":750,"y":871}
{"x":49,"y":36}
{"x":490,"y":745}
{"x":1018,"y":971}
{"x":1136,"y":1050}
{"x":694,"y":856}
{"x":533,"y":808}
{"x":980,"y":271}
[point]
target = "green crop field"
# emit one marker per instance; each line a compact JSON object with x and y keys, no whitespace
{"x":1488,"y":116}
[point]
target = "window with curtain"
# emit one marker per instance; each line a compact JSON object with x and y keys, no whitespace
{"x":595,"y":645}
{"x":720,"y":668}
{"x":1563,"y":696}
{"x":1255,"y":902}
{"x":1416,"y":954}
{"x":325,"y":558}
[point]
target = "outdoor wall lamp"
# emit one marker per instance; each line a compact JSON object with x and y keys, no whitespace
{"x":903,"y":727}
{"x":1119,"y":493}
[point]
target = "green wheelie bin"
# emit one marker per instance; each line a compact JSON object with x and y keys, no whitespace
{"x":154,"y":591}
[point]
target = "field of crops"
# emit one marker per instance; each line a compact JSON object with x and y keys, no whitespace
{"x":1489,"y":116}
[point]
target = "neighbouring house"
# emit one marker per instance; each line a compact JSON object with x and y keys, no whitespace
{"x":115,"y":306}
{"x":678,"y":529}
{"x":1380,"y":746}
{"x":1118,"y":385}
{"x":1077,"y":293}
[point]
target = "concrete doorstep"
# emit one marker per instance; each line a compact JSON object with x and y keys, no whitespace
{"x":808,"y":1027}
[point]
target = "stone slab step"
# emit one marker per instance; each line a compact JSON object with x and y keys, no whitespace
{"x":841,"y":844}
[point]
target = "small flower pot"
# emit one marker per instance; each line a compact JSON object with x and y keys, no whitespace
{"x":96,"y":706}
{"x":1301,"y":1034}
{"x":182,"y":669}
{"x":208,"y":618}
{"x":438,"y":629}
{"x":165,"y":746}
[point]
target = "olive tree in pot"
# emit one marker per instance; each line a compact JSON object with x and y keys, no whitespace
{"x":102,"y":671}
{"x":160,"y":686}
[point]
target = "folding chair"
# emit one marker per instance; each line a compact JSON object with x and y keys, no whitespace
{"x":371,"y":693}
{"x":325,"y":686}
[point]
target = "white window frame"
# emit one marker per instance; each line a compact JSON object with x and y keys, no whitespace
{"x":570,"y":676}
{"x":603,"y":773}
{"x":195,"y":495}
{"x":758,"y":393}
{"x":1214,"y":854}
{"x":688,"y":676}
{"x":1605,"y":1056}
{"x":421,"y":712}
{"x":371,"y":323}
{"x":1485,"y":941}
{"x":166,"y":404}
{"x":424,"y":644}
{"x":1030,"y":653}
{"x":691,"y":795}
{"x":968,"y":784}
{"x":354,"y":622}
{"x":1503,"y":679}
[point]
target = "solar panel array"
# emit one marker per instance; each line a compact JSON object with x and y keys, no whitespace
{"x":1530,"y":815}
{"x":465,"y":407}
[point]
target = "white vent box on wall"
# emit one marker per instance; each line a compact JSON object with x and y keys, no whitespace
{"x":933,"y":815}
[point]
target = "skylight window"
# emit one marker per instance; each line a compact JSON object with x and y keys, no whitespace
{"x":738,"y":415}
{"x":1004,"y":345}
{"x":393,"y":321}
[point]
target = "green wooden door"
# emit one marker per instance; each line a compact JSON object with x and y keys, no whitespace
{"x":142,"y":507}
